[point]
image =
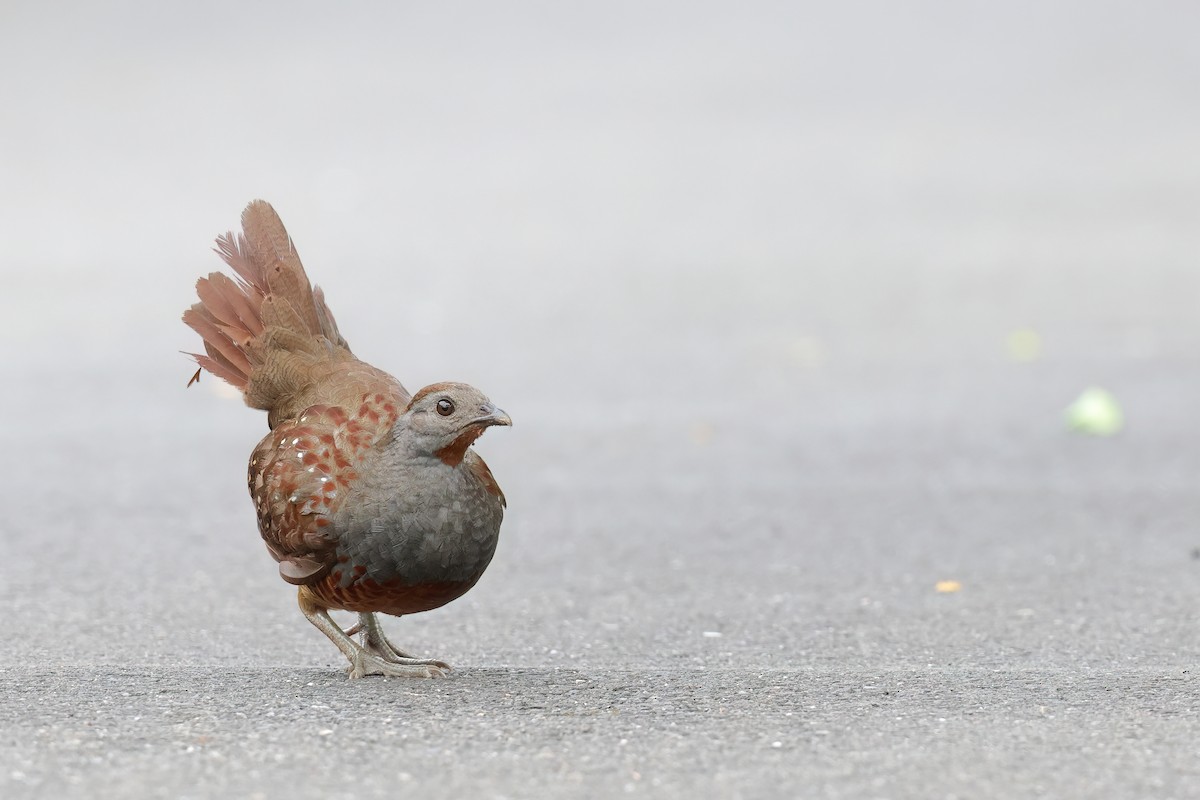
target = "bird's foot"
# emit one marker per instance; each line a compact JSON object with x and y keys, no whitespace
{"x":375,"y":642}
{"x":392,"y":655}
{"x":366,"y":663}
{"x":363,"y":661}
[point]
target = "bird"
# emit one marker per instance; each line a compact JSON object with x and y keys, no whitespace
{"x":371,"y":499}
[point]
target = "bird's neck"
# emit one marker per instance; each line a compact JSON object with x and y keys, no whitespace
{"x":405,"y":447}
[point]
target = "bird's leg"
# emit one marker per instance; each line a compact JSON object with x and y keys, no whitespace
{"x":374,"y":637}
{"x":364,"y":662}
{"x":376,"y":642}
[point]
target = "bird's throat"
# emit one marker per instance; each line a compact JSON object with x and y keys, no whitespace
{"x":453,"y":453}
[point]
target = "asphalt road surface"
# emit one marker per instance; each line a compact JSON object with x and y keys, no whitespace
{"x":791,"y":511}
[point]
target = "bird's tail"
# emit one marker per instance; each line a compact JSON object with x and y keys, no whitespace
{"x":266,"y":331}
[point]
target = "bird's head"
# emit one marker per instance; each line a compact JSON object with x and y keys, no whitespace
{"x":444,"y":419}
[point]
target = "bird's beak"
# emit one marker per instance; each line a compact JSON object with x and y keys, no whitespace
{"x":493,"y":416}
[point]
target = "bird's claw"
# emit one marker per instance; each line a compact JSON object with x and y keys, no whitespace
{"x":365,"y":664}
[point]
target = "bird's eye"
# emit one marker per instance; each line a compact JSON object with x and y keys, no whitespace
{"x":445,"y":407}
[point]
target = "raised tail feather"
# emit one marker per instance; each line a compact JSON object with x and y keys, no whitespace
{"x":266,"y":331}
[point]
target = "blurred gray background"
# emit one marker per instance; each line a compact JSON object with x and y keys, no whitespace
{"x":745,"y":275}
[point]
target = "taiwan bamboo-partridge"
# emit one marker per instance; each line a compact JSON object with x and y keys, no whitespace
{"x":370,"y":499}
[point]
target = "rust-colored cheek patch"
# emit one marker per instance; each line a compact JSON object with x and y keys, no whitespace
{"x":453,"y":453}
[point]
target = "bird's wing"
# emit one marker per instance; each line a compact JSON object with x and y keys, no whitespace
{"x":301,"y":473}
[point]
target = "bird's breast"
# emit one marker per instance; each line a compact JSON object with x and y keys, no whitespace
{"x":415,"y":542}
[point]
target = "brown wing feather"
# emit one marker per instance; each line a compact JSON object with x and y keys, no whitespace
{"x":301,"y":473}
{"x":294,"y":481}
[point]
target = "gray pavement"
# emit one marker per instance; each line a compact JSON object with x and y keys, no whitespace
{"x":744,"y":278}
